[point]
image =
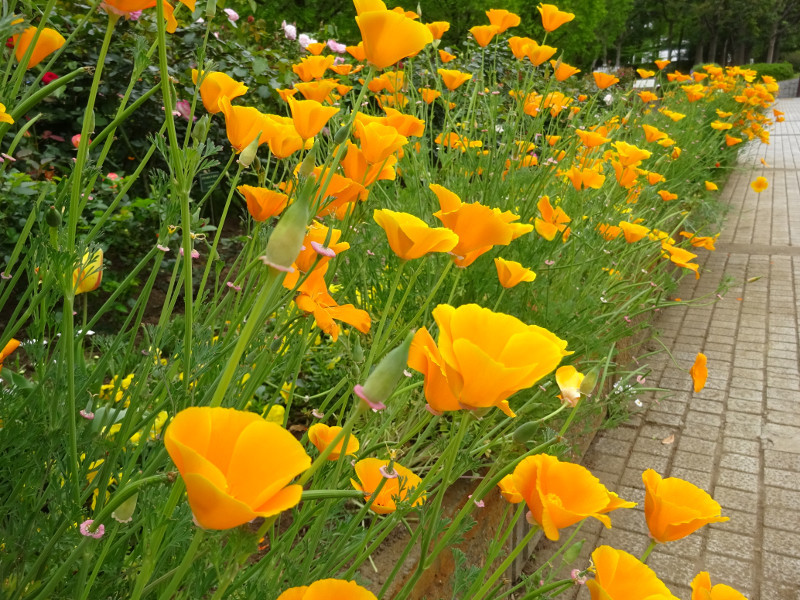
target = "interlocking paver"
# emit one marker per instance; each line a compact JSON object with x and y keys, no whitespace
{"x":740,"y":437}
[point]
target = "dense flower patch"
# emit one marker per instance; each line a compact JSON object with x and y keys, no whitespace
{"x":424,"y":244}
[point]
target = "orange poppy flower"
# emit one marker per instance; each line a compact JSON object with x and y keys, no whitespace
{"x":553,"y":220}
{"x":378,"y":141}
{"x":315,"y":48}
{"x":569,"y":381}
{"x":483,"y":34}
{"x":647,"y":97}
{"x":562,"y":70}
{"x":10,"y":346}
{"x":509,"y":491}
{"x":682,"y":257}
{"x":633,"y":232}
{"x":604,"y":80}
{"x":263,"y":203}
{"x":621,"y":576}
{"x":661,"y":63}
{"x":243,"y":124}
{"x":407,"y":125}
{"x":560,"y":494}
{"x":428,"y":96}
{"x":48,"y":42}
{"x":702,"y":590}
{"x":322,"y":436}
{"x":281,"y":136}
{"x":313,"y":67}
{"x":481,"y":358}
{"x":608,"y":231}
{"x":585,"y":178}
{"x":453,"y":79}
{"x":370,"y":473}
{"x":759,"y":184}
{"x":630,"y":155}
{"x":328,"y":589}
{"x":502,"y":19}
{"x":701,"y":241}
{"x":389,"y":36}
{"x":731,"y":140}
{"x":236,"y":466}
{"x":552,"y":18}
{"x":445,"y":56}
{"x":357,"y":52}
{"x":591,"y":139}
{"x":315,"y":299}
{"x":410,"y":237}
{"x":674,"y":508}
{"x":88,"y":276}
{"x":645,"y":74}
{"x":317,"y":90}
{"x":511,"y":273}
{"x":653,"y":134}
{"x":518,"y":46}
{"x":310,"y":116}
{"x":126,"y":7}
{"x":539,"y":54}
{"x":478,"y":227}
{"x":667,"y":196}
{"x":699,"y":372}
{"x":438,"y":28}
{"x":214,"y":86}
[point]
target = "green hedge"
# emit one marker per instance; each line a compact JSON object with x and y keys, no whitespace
{"x":779,"y":71}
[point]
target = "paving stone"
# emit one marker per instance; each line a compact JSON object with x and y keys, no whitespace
{"x":740,"y":462}
{"x":781,"y":478}
{"x":726,"y":568}
{"x":781,"y":542}
{"x":777,"y":567}
{"x":720,"y":541}
{"x":736,"y":499}
{"x":739,"y":522}
{"x":737,"y":479}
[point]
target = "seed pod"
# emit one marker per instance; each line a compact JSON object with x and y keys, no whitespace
{"x":382,"y":382}
{"x":53,"y":217}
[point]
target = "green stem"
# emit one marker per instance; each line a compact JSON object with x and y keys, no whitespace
{"x":326,"y":494}
{"x":647,"y":552}
{"x":185,"y":565}
{"x":505,"y":565}
{"x":379,"y":331}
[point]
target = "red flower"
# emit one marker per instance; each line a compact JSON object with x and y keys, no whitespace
{"x":49,"y":77}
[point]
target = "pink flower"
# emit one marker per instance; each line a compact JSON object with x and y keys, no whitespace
{"x":323,"y":250}
{"x":84,"y":529}
{"x":76,"y":139}
{"x":49,"y":77}
{"x":112,"y":176}
{"x":233,"y":16}
{"x":87,"y":415}
{"x":337,"y":47}
{"x":194,"y":254}
{"x":184,"y":109}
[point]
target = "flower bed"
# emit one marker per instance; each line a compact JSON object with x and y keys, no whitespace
{"x":441,"y":256}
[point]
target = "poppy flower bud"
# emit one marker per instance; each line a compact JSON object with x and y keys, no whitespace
{"x":200,"y":130}
{"x":248,"y":155}
{"x":53,"y":217}
{"x":383,"y":380}
{"x":590,"y":381}
{"x":124,"y":512}
{"x":524,"y":433}
{"x":572,"y":553}
{"x":358,"y":351}
{"x":342,"y":135}
{"x":309,"y":162}
{"x":286,"y":241}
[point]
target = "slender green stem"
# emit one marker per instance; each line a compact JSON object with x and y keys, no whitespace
{"x":379,"y":331}
{"x":648,"y":550}
{"x":185,"y":565}
{"x":505,"y":565}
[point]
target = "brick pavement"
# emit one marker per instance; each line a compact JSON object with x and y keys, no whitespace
{"x":739,"y":438}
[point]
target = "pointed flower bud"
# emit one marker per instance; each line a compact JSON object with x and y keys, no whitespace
{"x":383,"y":379}
{"x":248,"y":155}
{"x":124,"y":512}
{"x":286,"y":241}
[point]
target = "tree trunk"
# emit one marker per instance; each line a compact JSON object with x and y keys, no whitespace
{"x":712,"y":48}
{"x":698,"y":54}
{"x":618,"y":59}
{"x":773,"y":39}
{"x":669,"y":41}
{"x":724,"y":59}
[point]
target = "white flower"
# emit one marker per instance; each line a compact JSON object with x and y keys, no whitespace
{"x":304,"y":40}
{"x":608,"y":99}
{"x":290,"y":31}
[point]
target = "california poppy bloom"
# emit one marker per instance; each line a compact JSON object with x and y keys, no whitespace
{"x":539,"y":53}
{"x":410,"y":237}
{"x":702,"y":589}
{"x":378,"y":141}
{"x":125,"y":8}
{"x":759,"y":184}
{"x":502,"y":19}
{"x":674,"y":508}
{"x":10,"y":346}
{"x":483,"y":34}
{"x":214,"y":86}
{"x":453,"y":79}
{"x":552,"y":221}
{"x":569,"y":381}
{"x":560,"y":494}
{"x":313,"y":67}
{"x":661,"y":63}
{"x":263,"y":203}
{"x":604,"y":80}
{"x":315,"y":299}
{"x":329,"y":589}
{"x":322,"y":436}
{"x":310,"y":116}
{"x":633,"y":232}
{"x":49,"y":41}
{"x":552,"y":18}
{"x":562,"y":70}
{"x":481,"y":358}
{"x":428,"y":96}
{"x":509,"y":491}
{"x":699,"y":372}
{"x":390,"y":36}
{"x":319,"y":90}
{"x":645,"y":74}
{"x":243,"y":124}
{"x":591,"y":139}
{"x":281,"y":136}
{"x":511,"y":273}
{"x":438,"y":28}
{"x":397,"y":488}
{"x":666,"y":196}
{"x":630,"y":155}
{"x":621,"y":576}
{"x":236,"y":466}
{"x":87,"y":277}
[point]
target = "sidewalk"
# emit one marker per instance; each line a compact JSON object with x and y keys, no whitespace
{"x":739,"y":438}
